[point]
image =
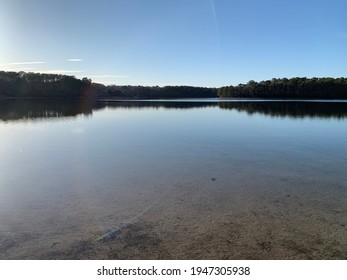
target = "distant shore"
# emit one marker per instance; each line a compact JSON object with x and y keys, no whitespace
{"x":34,"y":85}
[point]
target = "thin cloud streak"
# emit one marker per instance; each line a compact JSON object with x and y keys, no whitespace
{"x":21,"y":69}
{"x":58,"y":71}
{"x":75,"y":59}
{"x":108,"y":76}
{"x":22,"y":63}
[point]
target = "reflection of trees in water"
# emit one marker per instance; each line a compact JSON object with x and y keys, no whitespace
{"x":293,"y":109}
{"x":161,"y":104}
{"x":30,"y":109}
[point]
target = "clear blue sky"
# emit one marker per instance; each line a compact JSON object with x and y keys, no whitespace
{"x":175,"y":42}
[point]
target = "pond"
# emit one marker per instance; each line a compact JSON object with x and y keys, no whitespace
{"x":178,"y":179}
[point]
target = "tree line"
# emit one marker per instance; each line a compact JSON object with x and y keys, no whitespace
{"x":315,"y":88}
{"x":22,"y":84}
{"x":167,"y":92}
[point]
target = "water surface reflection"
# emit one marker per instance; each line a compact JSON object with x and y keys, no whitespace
{"x":173,"y":179}
{"x":30,"y":109}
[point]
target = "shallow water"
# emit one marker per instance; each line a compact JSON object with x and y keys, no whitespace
{"x":173,"y":180}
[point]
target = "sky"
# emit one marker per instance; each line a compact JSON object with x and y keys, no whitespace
{"x":209,"y":43}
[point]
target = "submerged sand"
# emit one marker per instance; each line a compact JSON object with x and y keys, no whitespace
{"x":211,"y":218}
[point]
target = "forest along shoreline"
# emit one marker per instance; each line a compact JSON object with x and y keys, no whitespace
{"x":41,"y":85}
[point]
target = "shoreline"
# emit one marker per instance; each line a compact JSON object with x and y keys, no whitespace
{"x":216,"y":99}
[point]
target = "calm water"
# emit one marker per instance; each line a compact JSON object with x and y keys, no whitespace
{"x":173,"y":180}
